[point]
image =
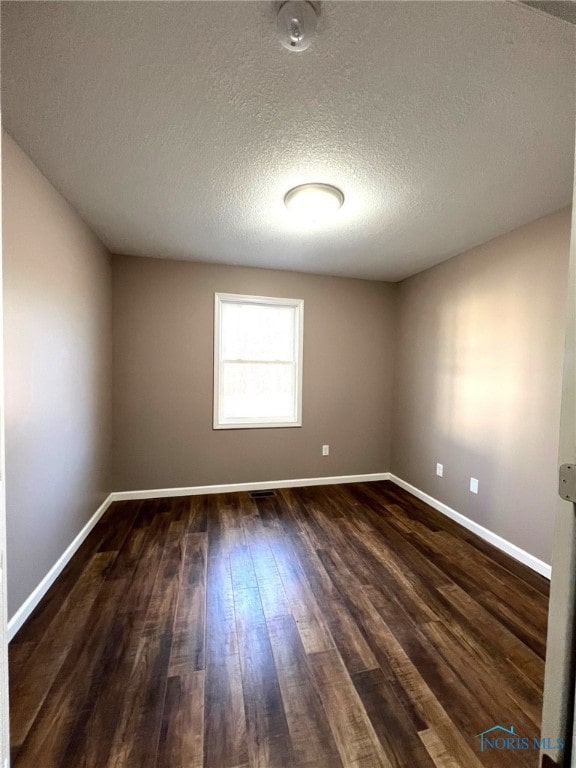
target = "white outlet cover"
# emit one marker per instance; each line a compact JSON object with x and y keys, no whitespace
{"x":440,"y":470}
{"x":473,"y":485}
{"x":325,"y":450}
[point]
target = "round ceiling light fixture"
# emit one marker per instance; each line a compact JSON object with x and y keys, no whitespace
{"x":314,"y":201}
{"x":296,"y":23}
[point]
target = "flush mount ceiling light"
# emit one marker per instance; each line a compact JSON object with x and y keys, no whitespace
{"x":296,"y":24}
{"x":314,"y":201}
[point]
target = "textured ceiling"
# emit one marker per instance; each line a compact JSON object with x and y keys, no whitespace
{"x":176,"y":128}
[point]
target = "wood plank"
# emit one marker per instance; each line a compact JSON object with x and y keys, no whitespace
{"x":188,"y":643}
{"x":270,"y":586}
{"x":303,"y":605}
{"x":312,"y":739}
{"x":268,"y":736}
{"x":391,"y":722}
{"x":437,"y":751}
{"x":105,"y":698}
{"x":355,"y":737}
{"x":138,"y":730}
{"x":160,"y":614}
{"x":181,"y":742}
{"x":220,"y":635}
{"x":225,"y":730}
{"x":225,"y":733}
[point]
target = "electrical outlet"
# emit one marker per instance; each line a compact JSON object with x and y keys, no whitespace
{"x":325,"y":450}
{"x":473,"y":485}
{"x":440,"y":470}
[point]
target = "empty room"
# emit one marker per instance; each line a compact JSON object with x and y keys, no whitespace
{"x":287,"y":464}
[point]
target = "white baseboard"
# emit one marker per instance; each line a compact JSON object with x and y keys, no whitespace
{"x":503,"y":544}
{"x":32,"y":601}
{"x":265,"y":485}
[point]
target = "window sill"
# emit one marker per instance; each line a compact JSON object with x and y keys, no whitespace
{"x":258,"y":425}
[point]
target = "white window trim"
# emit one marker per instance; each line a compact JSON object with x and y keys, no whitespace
{"x":219,"y":299}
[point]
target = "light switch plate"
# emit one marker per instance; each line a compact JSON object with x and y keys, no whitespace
{"x":440,"y":470}
{"x":473,"y":485}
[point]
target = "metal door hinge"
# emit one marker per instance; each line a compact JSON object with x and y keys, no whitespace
{"x":567,"y":482}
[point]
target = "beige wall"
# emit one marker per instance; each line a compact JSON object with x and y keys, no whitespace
{"x":479,"y":377}
{"x":163,"y":374}
{"x":57,"y":293}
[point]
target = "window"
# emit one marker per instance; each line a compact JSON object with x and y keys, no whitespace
{"x":257,"y":362}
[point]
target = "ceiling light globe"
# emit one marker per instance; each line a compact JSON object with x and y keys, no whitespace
{"x":314,"y":201}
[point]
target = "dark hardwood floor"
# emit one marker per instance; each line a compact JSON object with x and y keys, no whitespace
{"x":321,"y":627}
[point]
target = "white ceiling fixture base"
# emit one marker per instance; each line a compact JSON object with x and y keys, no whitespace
{"x":296,"y":23}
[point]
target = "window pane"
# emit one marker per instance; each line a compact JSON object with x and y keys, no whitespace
{"x":257,"y":332}
{"x":258,"y":390}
